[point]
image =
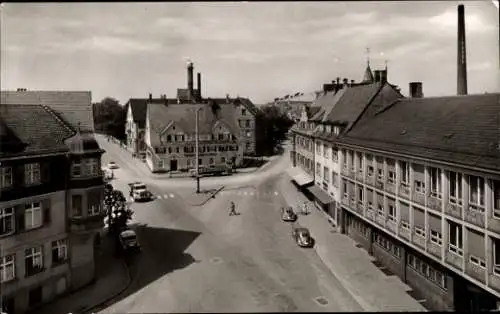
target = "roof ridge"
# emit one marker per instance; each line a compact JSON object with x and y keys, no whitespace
{"x":379,"y":89}
{"x":58,"y":118}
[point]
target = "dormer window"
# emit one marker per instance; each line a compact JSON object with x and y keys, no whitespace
{"x":328,"y":128}
{"x":243,"y":112}
{"x":169,"y":138}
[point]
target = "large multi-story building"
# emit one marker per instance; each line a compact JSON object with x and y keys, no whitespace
{"x":51,"y":191}
{"x":244,"y":114}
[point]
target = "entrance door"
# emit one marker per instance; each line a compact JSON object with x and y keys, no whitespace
{"x":173,"y":165}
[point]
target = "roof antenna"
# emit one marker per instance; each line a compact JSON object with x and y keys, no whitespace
{"x":386,"y":61}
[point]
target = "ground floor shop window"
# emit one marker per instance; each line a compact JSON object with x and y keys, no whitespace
{"x":426,"y":270}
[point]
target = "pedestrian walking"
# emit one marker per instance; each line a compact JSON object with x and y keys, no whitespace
{"x":232,"y":209}
{"x":305,"y":209}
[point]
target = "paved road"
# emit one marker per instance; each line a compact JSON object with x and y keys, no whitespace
{"x":198,"y":259}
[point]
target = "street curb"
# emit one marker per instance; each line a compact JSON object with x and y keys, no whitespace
{"x":212,"y":195}
{"x":125,"y":287}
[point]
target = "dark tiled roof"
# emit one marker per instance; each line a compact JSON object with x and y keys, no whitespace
{"x":462,"y":129}
{"x":74,"y":107}
{"x":31,"y":129}
{"x":184,"y":116}
{"x":313,"y":110}
{"x":326,"y":103}
{"x":139,"y":108}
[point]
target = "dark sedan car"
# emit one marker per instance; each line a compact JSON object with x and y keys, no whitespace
{"x":288,"y":215}
{"x":303,"y":237}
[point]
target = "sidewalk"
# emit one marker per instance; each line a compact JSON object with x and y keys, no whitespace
{"x":371,"y":288}
{"x":112,"y":277}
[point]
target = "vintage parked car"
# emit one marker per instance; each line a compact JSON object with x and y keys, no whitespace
{"x":113,"y":165}
{"x":139,"y":192}
{"x":302,"y":237}
{"x":287,"y":214}
{"x":128,"y":240}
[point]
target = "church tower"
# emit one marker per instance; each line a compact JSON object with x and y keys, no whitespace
{"x":368,"y":76}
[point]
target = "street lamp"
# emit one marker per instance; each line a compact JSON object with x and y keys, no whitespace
{"x":197,"y":144}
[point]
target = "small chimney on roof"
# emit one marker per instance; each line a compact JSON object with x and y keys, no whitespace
{"x":416,"y":90}
{"x":383,"y":76}
{"x":346,"y":82}
{"x":352,"y":82}
{"x":198,"y":78}
{"x":338,"y":80}
{"x":150,"y":97}
{"x":227,"y":98}
{"x":190,"y":68}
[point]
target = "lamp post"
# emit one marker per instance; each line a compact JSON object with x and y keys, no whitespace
{"x":197,"y":142}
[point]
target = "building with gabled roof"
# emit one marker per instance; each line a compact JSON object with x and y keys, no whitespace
{"x":51,"y":193}
{"x":137,"y":107}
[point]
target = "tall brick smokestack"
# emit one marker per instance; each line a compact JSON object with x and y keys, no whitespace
{"x":461,"y":54}
{"x":190,"y":81}
{"x":198,"y":80}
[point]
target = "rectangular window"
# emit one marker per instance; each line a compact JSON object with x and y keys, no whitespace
{"x":326,"y":151}
{"x":318,"y":168}
{"x":436,"y":238}
{"x":318,"y":148}
{"x":352,"y":160}
{"x":419,"y":231}
{"x":344,"y":161}
{"x":7,"y":220}
{"x":243,"y":112}
{"x":380,"y":174}
{"x":455,"y":238}
{"x":5,"y":177}
{"x":33,"y":259}
{"x":435,"y":174}
{"x":76,"y":203}
{"x":477,"y":261}
{"x":380,"y":210}
{"x":59,"y":251}
{"x":335,"y":181}
{"x":76,"y":168}
{"x":326,"y":173}
{"x":370,"y":171}
{"x":359,"y":162}
{"x":360,"y":195}
{"x":392,"y":177}
{"x":455,"y":186}
{"x":476,"y":190}
{"x":496,"y":256}
{"x":419,"y":186}
{"x":7,"y":268}
{"x":405,"y":172}
{"x":405,"y":225}
{"x":344,"y":185}
{"x":335,"y":154}
{"x":496,"y":195}
{"x":32,"y":215}
{"x":91,"y":167}
{"x":392,"y":213}
{"x":32,"y":173}
{"x":93,"y":204}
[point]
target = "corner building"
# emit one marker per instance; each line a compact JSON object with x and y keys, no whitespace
{"x":51,"y":191}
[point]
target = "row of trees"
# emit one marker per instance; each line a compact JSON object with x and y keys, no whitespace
{"x":272,"y":124}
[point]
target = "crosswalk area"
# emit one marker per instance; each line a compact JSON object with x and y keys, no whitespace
{"x":159,"y":196}
{"x":249,"y":193}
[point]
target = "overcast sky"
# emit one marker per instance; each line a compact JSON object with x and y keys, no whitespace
{"x":258,"y":50}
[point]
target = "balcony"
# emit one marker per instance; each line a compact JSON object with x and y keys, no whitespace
{"x":475,"y":215}
{"x":454,"y":210}
{"x":379,"y":184}
{"x":352,"y":204}
{"x":370,"y":180}
{"x":345,"y":201}
{"x":369,"y":214}
{"x":390,"y":187}
{"x":475,"y":271}
{"x":404,"y":190}
{"x":434,"y":249}
{"x":454,"y":260}
{"x":86,"y":224}
{"x":404,"y":233}
{"x":434,"y":203}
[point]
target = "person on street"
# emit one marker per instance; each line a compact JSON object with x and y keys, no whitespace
{"x":305,"y":210}
{"x":232,"y":209}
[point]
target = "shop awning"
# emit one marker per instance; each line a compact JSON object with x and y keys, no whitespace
{"x":320,"y":195}
{"x":300,"y":176}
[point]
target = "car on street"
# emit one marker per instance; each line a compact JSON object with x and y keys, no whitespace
{"x":139,"y":192}
{"x":112,"y":165}
{"x":302,"y":237}
{"x":128,"y":241}
{"x":287,"y":214}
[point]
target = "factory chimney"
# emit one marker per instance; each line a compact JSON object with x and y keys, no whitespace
{"x":190,"y":81}
{"x":461,"y":54}
{"x":198,"y":79}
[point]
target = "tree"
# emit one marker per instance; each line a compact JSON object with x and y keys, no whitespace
{"x":272,"y":126}
{"x":109,"y":117}
{"x":117,"y":209}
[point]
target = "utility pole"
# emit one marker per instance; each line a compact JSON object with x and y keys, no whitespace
{"x":197,"y":152}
